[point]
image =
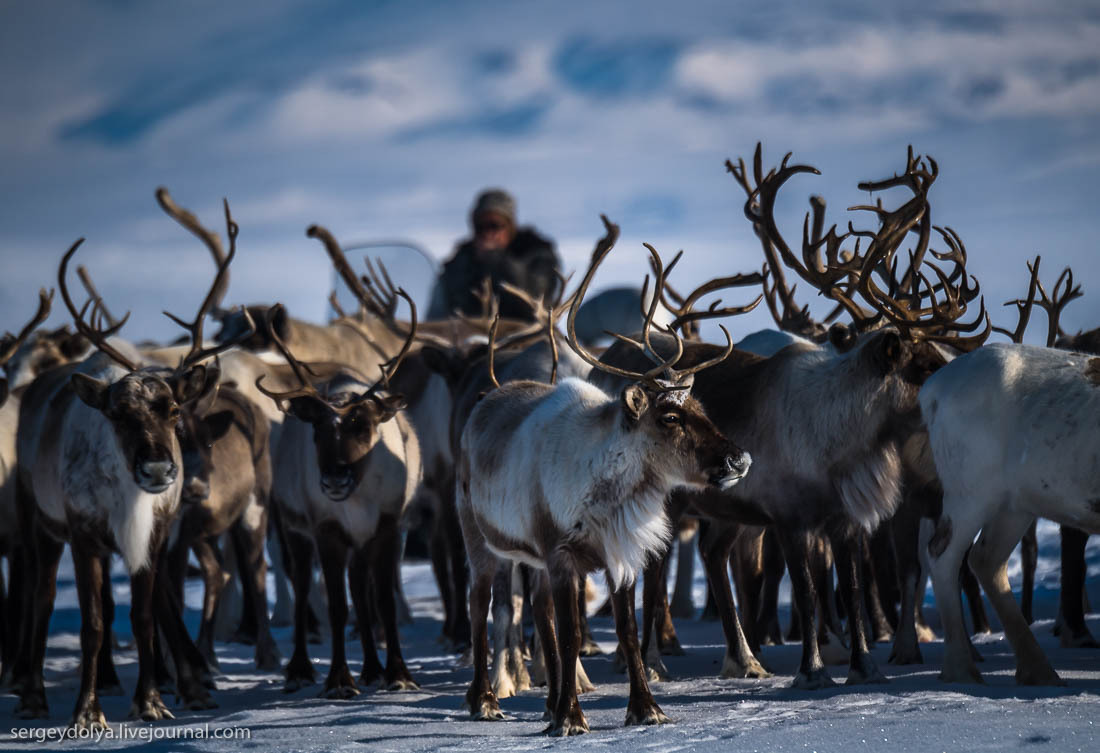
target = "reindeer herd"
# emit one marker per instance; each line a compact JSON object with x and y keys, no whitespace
{"x":816,"y":448}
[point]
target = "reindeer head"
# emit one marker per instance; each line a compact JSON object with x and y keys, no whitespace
{"x":143,"y":406}
{"x":28,"y":354}
{"x":345,"y":416}
{"x":658,"y":401}
{"x":197,"y":431}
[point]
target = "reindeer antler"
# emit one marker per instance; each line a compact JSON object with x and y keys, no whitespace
{"x":663,"y":376}
{"x":9,"y":344}
{"x":92,"y":330}
{"x":210,"y":238}
{"x":197,"y":353}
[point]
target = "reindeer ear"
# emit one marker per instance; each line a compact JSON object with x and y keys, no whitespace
{"x":307,"y":408}
{"x":72,"y":345}
{"x":635,"y":404}
{"x":218,"y":424}
{"x":192,"y":384}
{"x":842,"y":337}
{"x":447,"y":364}
{"x":887,"y":352}
{"x":92,"y":391}
{"x":386,"y":407}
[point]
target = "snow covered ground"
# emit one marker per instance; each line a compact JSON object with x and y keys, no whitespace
{"x":913,"y":712}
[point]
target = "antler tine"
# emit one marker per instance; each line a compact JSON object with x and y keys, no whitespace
{"x":189,"y":221}
{"x":603,"y":246}
{"x":95,"y":336}
{"x":1023,"y":307}
{"x":307,"y":389}
{"x":194,"y":328}
{"x":336,"y":254}
{"x":389,"y":368}
{"x":334,"y":301}
{"x":45,"y":303}
{"x":492,"y":350}
{"x":386,"y":295}
{"x":86,"y":279}
{"x":1054,"y":304}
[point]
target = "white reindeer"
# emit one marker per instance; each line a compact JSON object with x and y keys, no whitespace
{"x":568,"y":479}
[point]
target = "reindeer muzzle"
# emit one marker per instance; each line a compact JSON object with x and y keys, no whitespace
{"x":338,"y":485}
{"x":733,"y":469}
{"x":154,"y":476}
{"x":195,"y":490}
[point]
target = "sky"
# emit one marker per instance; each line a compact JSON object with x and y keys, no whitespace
{"x":382,"y":120}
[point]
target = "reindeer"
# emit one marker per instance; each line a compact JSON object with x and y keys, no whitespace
{"x":347,"y":465}
{"x":1070,"y":624}
{"x":1019,"y":418}
{"x":11,"y":597}
{"x":99,"y":468}
{"x":841,"y":471}
{"x":625,"y":453}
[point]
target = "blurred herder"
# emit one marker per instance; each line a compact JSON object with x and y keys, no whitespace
{"x":500,"y":251}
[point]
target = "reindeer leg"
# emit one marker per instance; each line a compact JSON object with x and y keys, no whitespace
{"x":333,"y":550}
{"x":568,"y":717}
{"x":683,"y":605}
{"x":456,"y":549}
{"x":797,"y":550}
{"x":32,"y":656}
{"x":107,"y":682}
{"x":667,"y":640}
{"x":641,"y":708}
{"x":88,"y":567}
{"x":747,"y":568}
{"x":384,"y":549}
{"x":299,"y":670}
{"x":877,"y":571}
{"x":277,"y":549}
{"x":905,"y":531}
{"x":1029,"y":560}
{"x":543,"y":607}
{"x":715,"y":541}
{"x":973,"y":593}
{"x":215,"y":579}
{"x":504,"y":684}
{"x":589,"y":647}
{"x":440,"y":557}
{"x":364,"y":614}
{"x":989,"y":557}
{"x":480,"y":700}
{"x":947,"y":551}
{"x":248,"y":535}
{"x":1074,"y":633}
{"x":767,"y":627}
{"x":192,"y":673}
{"x":651,"y":577}
{"x":13,"y":611}
{"x":848,"y":554}
{"x":147,"y":704}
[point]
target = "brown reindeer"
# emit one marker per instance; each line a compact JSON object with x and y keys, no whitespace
{"x":347,"y":466}
{"x":100,"y":468}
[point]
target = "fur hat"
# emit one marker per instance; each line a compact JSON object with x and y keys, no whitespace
{"x":495,"y":200}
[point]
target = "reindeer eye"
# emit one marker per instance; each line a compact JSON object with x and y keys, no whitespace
{"x":670,"y":419}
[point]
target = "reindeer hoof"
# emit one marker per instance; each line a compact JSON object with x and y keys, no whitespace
{"x":32,"y":705}
{"x":901,"y":657}
{"x":339,"y":685}
{"x":268,"y":659}
{"x":572,"y":723}
{"x":656,"y":671}
{"x":195,"y":697}
{"x":670,"y":646}
{"x":339,"y":692}
{"x":89,"y":718}
{"x":150,"y":708}
{"x":590,"y":648}
{"x":645,"y":713}
{"x":925,"y":634}
{"x":484,"y":707}
{"x":816,"y":680}
{"x":1039,"y":676}
{"x":960,"y":672}
{"x":299,"y":673}
{"x":400,"y":679}
{"x":1082,"y":640}
{"x":733,"y":669}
